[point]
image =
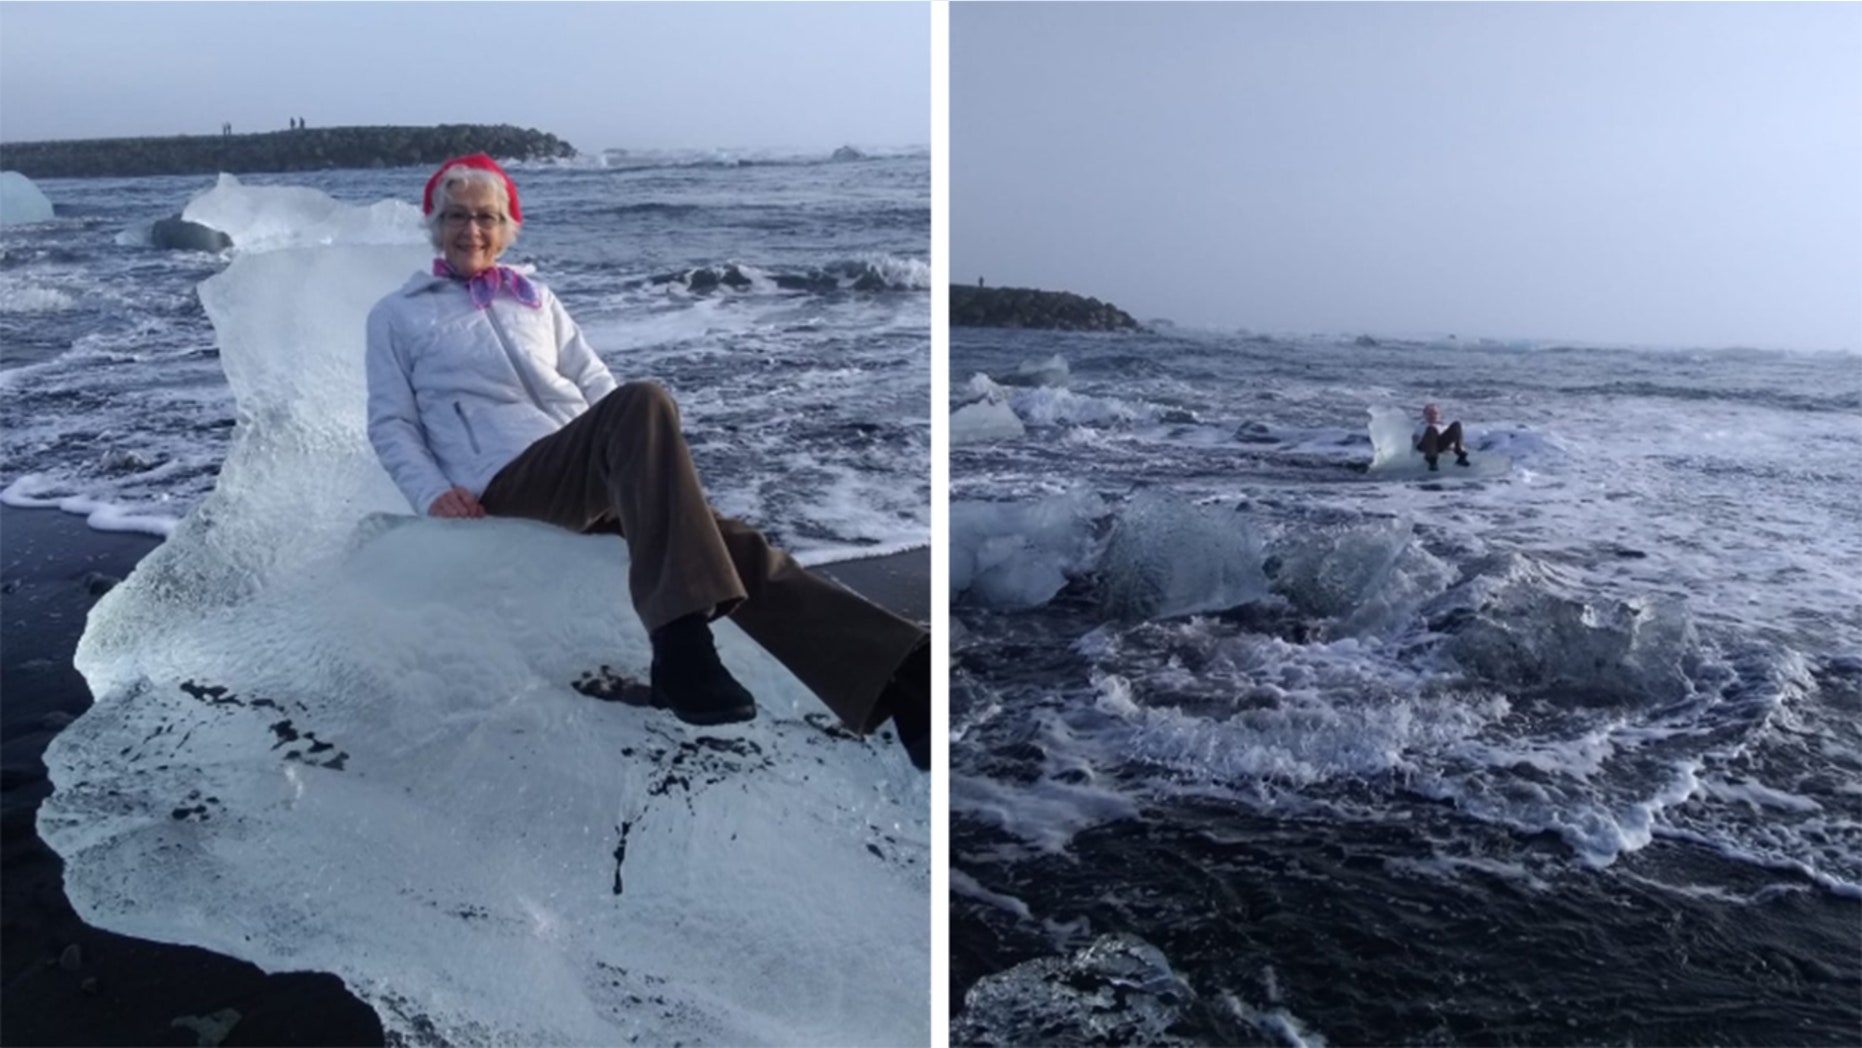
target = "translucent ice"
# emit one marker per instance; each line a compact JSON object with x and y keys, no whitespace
{"x":1118,"y":989}
{"x":21,"y":201}
{"x":1167,"y":557}
{"x":1019,"y":555}
{"x":265,"y":218}
{"x":1394,"y":454}
{"x":984,"y":421}
{"x":1366,"y":578}
{"x":1529,"y":624}
{"x":332,"y":736}
{"x":1392,"y":437}
{"x":987,"y":415}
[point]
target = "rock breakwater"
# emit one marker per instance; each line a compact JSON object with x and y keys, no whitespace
{"x":301,"y":149}
{"x":1018,"y":307}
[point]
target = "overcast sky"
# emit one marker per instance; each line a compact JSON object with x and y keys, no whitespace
{"x":1660,"y":174}
{"x":597,"y":74}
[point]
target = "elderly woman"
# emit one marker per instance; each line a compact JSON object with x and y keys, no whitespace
{"x":1434,"y":438}
{"x":485,"y":400}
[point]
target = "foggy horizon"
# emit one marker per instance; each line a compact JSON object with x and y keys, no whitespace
{"x":1669,"y":175}
{"x":617,"y":76}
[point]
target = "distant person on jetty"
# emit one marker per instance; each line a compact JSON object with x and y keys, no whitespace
{"x":484,"y":399}
{"x":1433,"y":439}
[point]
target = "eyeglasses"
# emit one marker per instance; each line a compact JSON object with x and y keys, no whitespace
{"x":482,"y":219}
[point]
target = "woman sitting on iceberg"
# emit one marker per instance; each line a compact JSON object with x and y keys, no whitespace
{"x":484,"y":399}
{"x":1434,"y":438}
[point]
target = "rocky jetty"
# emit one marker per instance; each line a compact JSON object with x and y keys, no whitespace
{"x":302,"y":149}
{"x":1020,"y":307}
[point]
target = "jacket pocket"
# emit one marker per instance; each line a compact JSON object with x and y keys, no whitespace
{"x":471,"y":437}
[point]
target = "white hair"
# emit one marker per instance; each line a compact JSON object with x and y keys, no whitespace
{"x":460,"y":174}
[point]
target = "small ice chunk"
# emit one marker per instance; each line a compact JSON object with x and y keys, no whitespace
{"x":1167,"y":557}
{"x":269,"y":218}
{"x":22,"y":202}
{"x":1019,"y":555}
{"x":985,"y":421}
{"x":1119,"y":989}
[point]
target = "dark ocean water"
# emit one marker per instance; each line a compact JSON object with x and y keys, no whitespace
{"x":1256,"y":744}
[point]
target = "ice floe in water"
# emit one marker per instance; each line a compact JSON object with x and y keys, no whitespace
{"x":22,"y":202}
{"x":985,"y":420}
{"x":1359,"y":579}
{"x":1167,"y":557}
{"x":987,"y":416}
{"x":1394,"y":455}
{"x":1117,"y":990}
{"x":1019,"y":555}
{"x":1522,"y":624}
{"x":332,"y":736}
{"x":1158,"y":556}
{"x":265,"y":218}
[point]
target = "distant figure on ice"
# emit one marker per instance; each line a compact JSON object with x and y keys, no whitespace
{"x":1433,"y":439}
{"x":484,"y":400}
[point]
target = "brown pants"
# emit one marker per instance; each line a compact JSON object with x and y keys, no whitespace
{"x":623,"y":466}
{"x":1435,"y":441}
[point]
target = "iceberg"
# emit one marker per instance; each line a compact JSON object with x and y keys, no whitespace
{"x":1168,"y":558}
{"x":22,"y":202}
{"x":985,"y":421}
{"x":329,"y":735}
{"x":1392,"y":438}
{"x":986,"y":417}
{"x":1020,"y":555}
{"x":268,"y":218}
{"x":1394,"y":456}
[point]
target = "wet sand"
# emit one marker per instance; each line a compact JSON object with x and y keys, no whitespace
{"x":66,"y":983}
{"x":900,"y":582}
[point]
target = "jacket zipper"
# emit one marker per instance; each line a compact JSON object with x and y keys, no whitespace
{"x":510,"y":353}
{"x":471,"y":437}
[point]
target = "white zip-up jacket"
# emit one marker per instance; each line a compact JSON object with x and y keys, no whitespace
{"x":456,"y":392}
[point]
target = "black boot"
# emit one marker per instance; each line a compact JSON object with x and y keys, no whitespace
{"x":689,"y":680}
{"x":1430,"y":459}
{"x":908,"y":697}
{"x":1461,"y":458}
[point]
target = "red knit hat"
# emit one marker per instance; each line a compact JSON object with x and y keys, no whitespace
{"x":483,"y":163}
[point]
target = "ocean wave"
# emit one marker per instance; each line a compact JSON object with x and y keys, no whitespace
{"x":29,"y":299}
{"x":866,"y":273}
{"x":1847,"y":400}
{"x":34,"y":491}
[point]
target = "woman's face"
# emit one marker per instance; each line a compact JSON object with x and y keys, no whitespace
{"x":473,"y":229}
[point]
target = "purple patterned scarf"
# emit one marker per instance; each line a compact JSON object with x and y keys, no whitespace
{"x":484,"y":286}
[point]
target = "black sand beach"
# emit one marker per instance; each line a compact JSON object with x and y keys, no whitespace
{"x":68,"y":984}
